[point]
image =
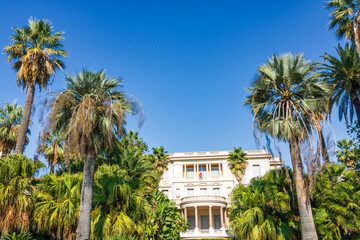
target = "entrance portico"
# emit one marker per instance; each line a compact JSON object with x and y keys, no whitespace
{"x":206,"y":218}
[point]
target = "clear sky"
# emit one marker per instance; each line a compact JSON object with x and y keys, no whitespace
{"x":188,"y":62}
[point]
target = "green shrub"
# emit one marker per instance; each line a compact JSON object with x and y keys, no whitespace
{"x":14,"y":236}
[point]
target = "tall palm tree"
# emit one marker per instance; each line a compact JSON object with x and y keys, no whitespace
{"x":343,"y":74}
{"x":35,"y":51}
{"x":282,"y":108}
{"x":237,"y":163}
{"x":52,"y":148}
{"x":10,"y":118}
{"x":345,"y":17}
{"x":90,"y":114}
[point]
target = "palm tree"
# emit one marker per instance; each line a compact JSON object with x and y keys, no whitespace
{"x":336,"y":203}
{"x":263,"y":210}
{"x":343,"y":74}
{"x":132,"y":140}
{"x":10,"y":118}
{"x":57,"y":205}
{"x":52,"y":149}
{"x":282,"y":108}
{"x":237,"y":163}
{"x":90,"y":114}
{"x":119,"y":204}
{"x":35,"y":51}
{"x":345,"y":17}
{"x":347,"y":153}
{"x":160,"y":159}
{"x":16,"y":193}
{"x":134,"y":165}
{"x":165,"y":221}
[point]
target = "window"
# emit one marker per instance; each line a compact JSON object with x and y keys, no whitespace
{"x":190,"y":192}
{"x":190,"y":172}
{"x":166,"y":192}
{"x":202,"y":191}
{"x":216,"y":191}
{"x":191,"y":220}
{"x":204,"y":221}
{"x":215,"y":171}
{"x":217,"y":222}
{"x":256,"y":170}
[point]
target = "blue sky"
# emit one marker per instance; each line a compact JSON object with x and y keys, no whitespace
{"x":188,"y":62}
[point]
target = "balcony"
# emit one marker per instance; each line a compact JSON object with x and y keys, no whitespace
{"x":204,"y":233}
{"x":203,"y":199}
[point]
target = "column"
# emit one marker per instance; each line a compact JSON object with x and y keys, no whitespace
{"x":185,"y":212}
{"x":196,"y":220}
{"x":226,"y":218}
{"x":222,"y":217}
{"x":197,"y":170}
{"x":211,"y":228}
{"x":194,"y":172}
{"x":219,"y":170}
{"x":210,"y":170}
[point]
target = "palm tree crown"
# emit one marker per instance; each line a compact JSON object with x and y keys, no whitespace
{"x":35,"y":51}
{"x":237,"y":163}
{"x":345,"y":17}
{"x":285,"y":95}
{"x":52,"y":148}
{"x":90,"y":112}
{"x":10,"y":118}
{"x":343,"y":74}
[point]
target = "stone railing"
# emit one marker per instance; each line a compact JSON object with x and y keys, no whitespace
{"x":204,"y":198}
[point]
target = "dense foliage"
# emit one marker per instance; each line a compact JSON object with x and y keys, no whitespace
{"x":165,"y":221}
{"x":126,"y":205}
{"x":265,"y":209}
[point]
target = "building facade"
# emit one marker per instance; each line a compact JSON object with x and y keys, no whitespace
{"x":200,"y":184}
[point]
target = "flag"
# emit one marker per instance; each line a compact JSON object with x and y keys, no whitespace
{"x":201,"y":170}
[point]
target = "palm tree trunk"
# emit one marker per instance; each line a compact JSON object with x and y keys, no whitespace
{"x":308,"y":230}
{"x":324,"y":151}
{"x":355,"y":101}
{"x":25,"y":120}
{"x":52,"y":167}
{"x":84,"y":225}
{"x":356,"y":35}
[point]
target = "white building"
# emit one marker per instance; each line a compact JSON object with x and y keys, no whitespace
{"x":200,"y":184}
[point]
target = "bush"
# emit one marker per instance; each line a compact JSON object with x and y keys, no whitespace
{"x":21,"y":236}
